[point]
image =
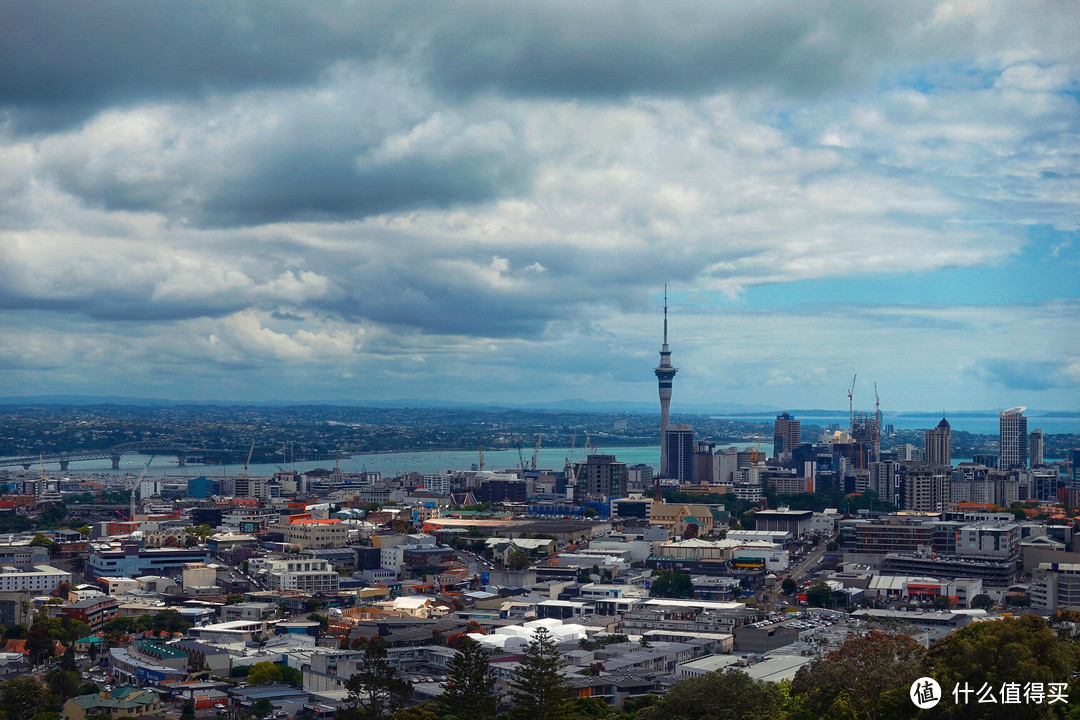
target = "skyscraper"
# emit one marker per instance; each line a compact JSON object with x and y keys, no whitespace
{"x":679,"y":450}
{"x":786,"y":434}
{"x":1013,"y":439}
{"x":1036,"y":446}
{"x":938,"y":444}
{"x":665,"y":373}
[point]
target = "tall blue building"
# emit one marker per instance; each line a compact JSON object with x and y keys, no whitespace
{"x":200,"y":487}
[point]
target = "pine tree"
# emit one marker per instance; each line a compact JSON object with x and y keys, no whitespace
{"x":470,"y":684}
{"x":538,"y":688}
{"x":376,"y":686}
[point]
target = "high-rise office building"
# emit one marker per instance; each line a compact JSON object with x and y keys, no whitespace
{"x":1036,"y":445}
{"x":679,"y":447}
{"x":938,"y":445}
{"x":1013,"y":439}
{"x":603,"y":476}
{"x":665,"y":373}
{"x":786,"y":434}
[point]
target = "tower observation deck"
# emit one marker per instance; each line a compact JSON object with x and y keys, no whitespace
{"x":665,"y":374}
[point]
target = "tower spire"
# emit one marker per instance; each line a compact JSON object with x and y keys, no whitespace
{"x":665,"y":316}
{"x":665,"y":373}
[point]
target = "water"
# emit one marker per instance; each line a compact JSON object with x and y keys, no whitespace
{"x":389,"y":464}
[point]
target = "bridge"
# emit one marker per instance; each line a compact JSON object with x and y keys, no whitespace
{"x":147,"y":447}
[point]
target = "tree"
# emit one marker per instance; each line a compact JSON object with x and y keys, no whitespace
{"x":942,"y":602}
{"x":1015,"y":650}
{"x":819,"y":595}
{"x":323,"y":620}
{"x":261,"y":708}
{"x":469,"y":689}
{"x":1019,"y":600}
{"x":67,"y":659}
{"x":668,"y":584}
{"x":22,"y":698}
{"x":200,"y":531}
{"x":234,"y":599}
{"x":864,"y":670}
{"x":65,"y":683}
{"x":982,"y":601}
{"x":727,"y":695}
{"x":518,"y":560}
{"x":40,"y":540}
{"x":187,"y":710}
{"x":376,"y":686}
{"x":789,"y":586}
{"x":265,"y":673}
{"x":40,"y":645}
{"x":538,"y":688}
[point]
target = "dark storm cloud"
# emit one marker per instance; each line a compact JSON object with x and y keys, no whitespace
{"x":616,"y":48}
{"x":61,"y":63}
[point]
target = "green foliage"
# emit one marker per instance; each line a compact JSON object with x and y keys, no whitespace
{"x":789,"y":586}
{"x":942,"y":602}
{"x":200,"y":532}
{"x":669,"y":584}
{"x":375,"y":687}
{"x":40,"y":644}
{"x":64,"y":683}
{"x":518,"y":560}
{"x":470,"y":685}
{"x":40,"y":540}
{"x":416,"y":712}
{"x":982,"y":601}
{"x":819,"y":595}
{"x":261,"y":708}
{"x":22,"y":698}
{"x":264,"y":673}
{"x":728,"y":695}
{"x":1015,"y":650}
{"x":538,"y":689}
{"x":865,"y":672}
{"x":234,"y":599}
{"x":323,"y":620}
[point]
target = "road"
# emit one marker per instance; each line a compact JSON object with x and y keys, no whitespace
{"x":805,"y":567}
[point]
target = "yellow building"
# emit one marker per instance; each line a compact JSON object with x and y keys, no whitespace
{"x":675,"y":517}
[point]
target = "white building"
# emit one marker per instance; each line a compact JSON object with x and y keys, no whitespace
{"x":302,"y":573}
{"x":42,"y":579}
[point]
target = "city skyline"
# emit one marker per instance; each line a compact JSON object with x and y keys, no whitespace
{"x":378,"y":202}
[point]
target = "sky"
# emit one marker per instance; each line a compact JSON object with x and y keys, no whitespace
{"x":482,"y":202}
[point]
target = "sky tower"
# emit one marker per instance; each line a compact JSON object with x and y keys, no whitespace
{"x":665,"y":373}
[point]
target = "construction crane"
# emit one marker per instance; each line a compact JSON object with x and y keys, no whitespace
{"x":877,"y":407}
{"x":521,"y":455}
{"x":135,"y":486}
{"x":244,"y":470}
{"x":754,"y":456}
{"x":536,"y":452}
{"x":480,"y":452}
{"x":851,"y":403}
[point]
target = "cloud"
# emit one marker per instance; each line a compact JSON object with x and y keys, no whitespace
{"x":1033,"y":375}
{"x":453,"y":199}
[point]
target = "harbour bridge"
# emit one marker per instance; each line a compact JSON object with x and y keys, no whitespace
{"x":147,"y":447}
